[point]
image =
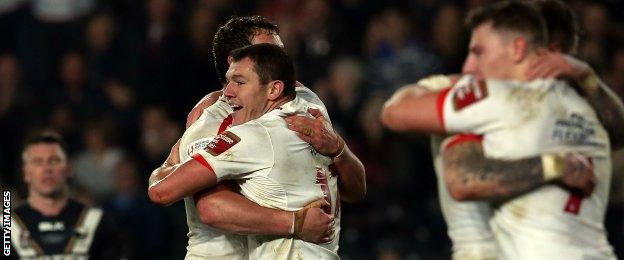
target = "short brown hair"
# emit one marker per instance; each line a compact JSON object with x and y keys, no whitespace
{"x":45,"y":137}
{"x":514,"y":16}
{"x":237,"y":33}
{"x":562,"y":24}
{"x":271,"y":63}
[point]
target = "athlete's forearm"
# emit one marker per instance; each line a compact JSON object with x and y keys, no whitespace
{"x":167,"y":167}
{"x":471,"y":176}
{"x":179,"y":181}
{"x":351,"y":176}
{"x":225,"y":209}
{"x":412,"y":109}
{"x":609,"y":109}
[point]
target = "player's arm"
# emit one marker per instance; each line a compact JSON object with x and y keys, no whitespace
{"x":418,"y":107}
{"x":607,"y":105}
{"x":351,"y":175}
{"x":172,"y":159}
{"x":413,"y":109}
{"x":605,"y":102}
{"x":198,"y":109}
{"x":610,"y":111}
{"x":225,"y":209}
{"x":469,"y":175}
{"x":319,"y":133}
{"x":172,"y":183}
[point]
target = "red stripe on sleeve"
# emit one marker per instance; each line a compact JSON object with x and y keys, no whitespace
{"x":225,"y":124}
{"x":197,"y":157}
{"x":440,"y":105}
{"x":460,"y":138}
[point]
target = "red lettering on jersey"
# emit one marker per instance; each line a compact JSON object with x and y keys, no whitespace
{"x":469,"y":94}
{"x":222,"y":142}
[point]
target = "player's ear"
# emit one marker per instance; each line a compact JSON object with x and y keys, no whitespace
{"x":520,"y":49}
{"x":275,"y":89}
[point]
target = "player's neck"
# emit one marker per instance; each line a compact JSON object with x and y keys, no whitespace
{"x":519,"y":72}
{"x":48,"y":205}
{"x":277,"y":103}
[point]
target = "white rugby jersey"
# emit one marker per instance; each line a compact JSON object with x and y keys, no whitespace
{"x":275,"y":168}
{"x":205,"y":241}
{"x":466,"y":221}
{"x":520,"y":120}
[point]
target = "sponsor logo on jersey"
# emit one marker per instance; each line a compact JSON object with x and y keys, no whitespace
{"x":46,"y":226}
{"x":222,"y":143}
{"x":198,"y":145}
{"x":575,"y":130}
{"x":469,"y":93}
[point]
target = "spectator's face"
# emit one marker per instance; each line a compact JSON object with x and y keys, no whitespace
{"x":100,"y":32}
{"x":247,"y":96}
{"x":72,"y":70}
{"x":490,"y":54}
{"x":9,"y":72}
{"x":200,"y":27}
{"x":126,"y":178}
{"x":45,"y":169}
{"x":159,"y":10}
{"x":446,"y":34}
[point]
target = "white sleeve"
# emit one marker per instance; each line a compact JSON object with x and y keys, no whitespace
{"x":435,"y":82}
{"x":473,"y":106}
{"x":309,"y":95}
{"x":238,"y":152}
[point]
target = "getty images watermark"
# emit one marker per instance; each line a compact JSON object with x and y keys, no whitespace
{"x":6,"y":222}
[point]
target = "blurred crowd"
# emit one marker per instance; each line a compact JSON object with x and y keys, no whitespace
{"x":117,"y":78}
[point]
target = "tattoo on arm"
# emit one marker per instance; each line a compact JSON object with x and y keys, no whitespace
{"x":489,"y":178}
{"x":610,"y":111}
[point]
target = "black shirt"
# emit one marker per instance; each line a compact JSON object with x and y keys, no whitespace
{"x":56,"y":235}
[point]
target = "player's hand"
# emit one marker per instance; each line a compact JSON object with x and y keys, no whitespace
{"x":316,"y":131}
{"x":205,"y":102}
{"x":314,"y":225}
{"x":578,"y":174}
{"x":555,"y":64}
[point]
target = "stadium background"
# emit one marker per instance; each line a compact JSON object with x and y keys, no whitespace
{"x":118,"y":77}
